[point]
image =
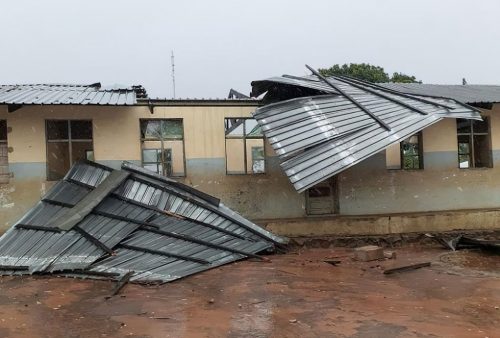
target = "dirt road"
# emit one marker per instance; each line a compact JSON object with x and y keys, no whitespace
{"x":294,"y":295}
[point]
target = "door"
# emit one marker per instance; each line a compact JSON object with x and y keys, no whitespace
{"x":322,"y":198}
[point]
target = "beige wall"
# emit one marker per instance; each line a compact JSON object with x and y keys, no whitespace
{"x":393,"y":156}
{"x":116,"y":129}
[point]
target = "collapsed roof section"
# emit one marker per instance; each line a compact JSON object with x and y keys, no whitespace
{"x":100,"y":222}
{"x":333,"y":123}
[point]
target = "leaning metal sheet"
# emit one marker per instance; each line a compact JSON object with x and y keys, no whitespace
{"x":318,"y":137}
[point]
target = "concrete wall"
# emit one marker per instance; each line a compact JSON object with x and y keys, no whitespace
{"x":367,"y":188}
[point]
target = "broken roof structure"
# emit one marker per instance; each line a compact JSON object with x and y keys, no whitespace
{"x":321,"y":126}
{"x":104,"y":223}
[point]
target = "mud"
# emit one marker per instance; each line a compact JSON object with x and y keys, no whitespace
{"x":294,"y":295}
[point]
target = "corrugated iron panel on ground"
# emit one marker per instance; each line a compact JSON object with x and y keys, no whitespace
{"x":122,"y":234}
{"x":174,"y":199}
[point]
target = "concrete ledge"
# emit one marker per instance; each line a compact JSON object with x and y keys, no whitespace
{"x":477,"y":219}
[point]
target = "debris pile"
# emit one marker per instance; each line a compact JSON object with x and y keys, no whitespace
{"x":128,"y":224}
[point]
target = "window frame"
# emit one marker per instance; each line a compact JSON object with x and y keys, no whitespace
{"x":69,"y":141}
{"x":332,"y":184}
{"x":470,"y":135}
{"x":6,"y":142}
{"x":420,"y":152}
{"x":244,"y":138}
{"x":145,"y":139}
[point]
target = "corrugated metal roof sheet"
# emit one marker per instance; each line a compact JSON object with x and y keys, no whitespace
{"x":464,"y":93}
{"x":67,"y":94}
{"x":319,"y":136}
{"x":156,"y":227}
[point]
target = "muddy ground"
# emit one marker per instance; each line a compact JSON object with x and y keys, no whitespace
{"x":294,"y":295}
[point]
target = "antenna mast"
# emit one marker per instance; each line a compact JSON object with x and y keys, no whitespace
{"x":173,"y":73}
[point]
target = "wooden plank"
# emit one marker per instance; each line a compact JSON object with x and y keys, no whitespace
{"x":406,"y":268}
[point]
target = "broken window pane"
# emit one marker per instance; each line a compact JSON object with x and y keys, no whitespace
{"x":245,"y":152}
{"x":252,"y":128}
{"x":57,"y":130}
{"x":258,"y":163}
{"x":167,"y":134}
{"x":162,"y":129}
{"x":81,"y":130}
{"x":464,"y":161}
{"x":153,"y":160}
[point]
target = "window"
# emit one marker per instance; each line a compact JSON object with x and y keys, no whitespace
{"x":407,"y":155}
{"x":4,"y":159}
{"x":67,"y":142}
{"x":474,"y":144}
{"x":162,"y":146}
{"x":322,"y":199}
{"x":244,"y":146}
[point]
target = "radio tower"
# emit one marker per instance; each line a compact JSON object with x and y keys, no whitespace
{"x":173,"y":73}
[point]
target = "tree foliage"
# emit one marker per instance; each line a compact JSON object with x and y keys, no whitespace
{"x":367,"y":72}
{"x":403,"y":78}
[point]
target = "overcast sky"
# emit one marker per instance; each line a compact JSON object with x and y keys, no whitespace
{"x":226,"y":44}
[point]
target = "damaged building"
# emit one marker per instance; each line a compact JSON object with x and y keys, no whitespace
{"x":312,"y":157}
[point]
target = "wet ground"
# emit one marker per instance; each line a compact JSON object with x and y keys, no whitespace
{"x":294,"y":295}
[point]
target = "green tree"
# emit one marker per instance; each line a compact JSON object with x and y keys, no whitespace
{"x":366,"y":72}
{"x":403,"y":78}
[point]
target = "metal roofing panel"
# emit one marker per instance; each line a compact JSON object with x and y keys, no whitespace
{"x":127,"y":231}
{"x":319,"y":136}
{"x":67,"y":94}
{"x":464,"y":93}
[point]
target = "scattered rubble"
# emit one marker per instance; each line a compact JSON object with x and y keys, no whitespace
{"x":368,"y":253}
